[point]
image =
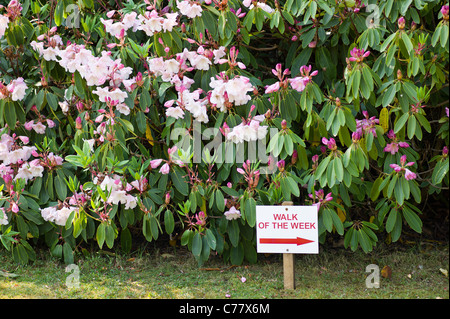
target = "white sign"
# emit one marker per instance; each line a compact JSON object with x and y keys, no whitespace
{"x":287,"y":229}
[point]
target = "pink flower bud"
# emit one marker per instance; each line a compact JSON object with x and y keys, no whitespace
{"x":281,"y":164}
{"x":165,"y":169}
{"x":24,"y":139}
{"x":50,"y":123}
{"x":401,"y":23}
{"x":155,"y":163}
{"x":15,"y":208}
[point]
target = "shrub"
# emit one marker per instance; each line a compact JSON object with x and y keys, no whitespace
{"x":179,"y":117}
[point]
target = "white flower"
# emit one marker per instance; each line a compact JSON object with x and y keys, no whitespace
{"x":233,"y":213}
{"x":17,"y":88}
{"x":39,"y":128}
{"x":50,"y":54}
{"x":3,"y":24}
{"x":24,"y":172}
{"x":64,"y":107}
{"x":49,"y":213}
{"x":117,"y":197}
{"x":218,"y":54}
{"x":131,"y":202}
{"x":123,"y":108}
{"x":3,"y":217}
{"x":176,"y":112}
{"x":62,"y":215}
{"x":200,"y":62}
{"x":190,"y":10}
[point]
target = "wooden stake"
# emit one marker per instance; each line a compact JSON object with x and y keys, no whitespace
{"x":288,"y":263}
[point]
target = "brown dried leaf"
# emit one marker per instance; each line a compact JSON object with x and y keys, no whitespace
{"x":386,"y":272}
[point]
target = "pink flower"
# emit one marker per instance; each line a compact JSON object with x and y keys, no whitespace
{"x":15,"y":208}
{"x":409,"y":175}
{"x":298,"y":83}
{"x":445,"y":10}
{"x":243,"y":279}
{"x":24,"y":139}
{"x":272,"y":88}
{"x":331,"y":143}
{"x":165,"y":169}
{"x":358,"y":55}
{"x":201,"y":218}
{"x":320,"y":195}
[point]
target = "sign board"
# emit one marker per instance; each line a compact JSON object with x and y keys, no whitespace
{"x":287,"y":229}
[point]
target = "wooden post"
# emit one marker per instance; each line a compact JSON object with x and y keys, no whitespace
{"x":288,"y":263}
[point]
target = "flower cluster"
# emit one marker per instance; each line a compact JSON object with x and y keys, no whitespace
{"x":321,"y":197}
{"x":248,"y":130}
{"x":118,"y":192}
{"x":150,"y":22}
{"x":250,"y":174}
{"x":57,"y":215}
{"x":298,"y":83}
{"x":393,"y":147}
{"x":227,"y":92}
{"x":358,"y":55}
{"x":367,"y":125}
{"x":232,"y":213}
{"x":14,"y":156}
{"x":403,"y":168}
{"x":262,"y":5}
{"x":330,"y":143}
{"x":165,"y":168}
{"x":189,"y":8}
{"x":13,"y":11}
{"x":15,"y":90}
{"x":95,"y":70}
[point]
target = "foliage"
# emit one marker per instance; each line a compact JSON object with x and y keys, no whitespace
{"x":180,"y":117}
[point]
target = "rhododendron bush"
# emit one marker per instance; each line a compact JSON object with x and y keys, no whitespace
{"x":124,"y":121}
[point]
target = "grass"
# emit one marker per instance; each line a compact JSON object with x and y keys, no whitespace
{"x":174,"y":274}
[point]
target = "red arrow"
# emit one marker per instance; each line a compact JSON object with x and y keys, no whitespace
{"x":299,"y":241}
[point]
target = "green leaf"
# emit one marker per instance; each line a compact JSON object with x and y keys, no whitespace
{"x":180,"y":183}
{"x":250,"y":211}
{"x":322,"y":167}
{"x":412,"y":219}
{"x":391,"y":220}
{"x":364,"y":241}
{"x":68,"y":254}
{"x":197,"y":245}
{"x":100,"y":236}
{"x":411,"y":129}
{"x":233,"y":232}
{"x":389,"y":95}
{"x":328,"y":219}
{"x":59,"y":13}
{"x":339,"y":169}
{"x":220,"y":201}
{"x":211,"y":239}
{"x":169,"y":223}
{"x":355,"y":83}
{"x":400,"y":122}
{"x":444,"y":35}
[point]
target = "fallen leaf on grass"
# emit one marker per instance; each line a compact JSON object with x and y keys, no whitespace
{"x":444,"y":271}
{"x":386,"y":272}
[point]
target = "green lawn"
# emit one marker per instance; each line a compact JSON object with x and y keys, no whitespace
{"x":174,"y":274}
